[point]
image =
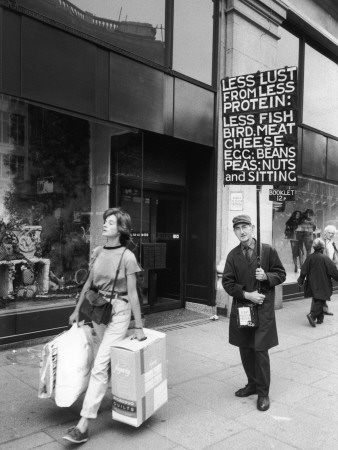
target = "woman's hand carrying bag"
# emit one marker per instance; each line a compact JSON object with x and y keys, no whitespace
{"x":95,"y":306}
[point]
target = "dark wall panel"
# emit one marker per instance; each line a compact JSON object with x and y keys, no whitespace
{"x":314,"y":154}
{"x":102,"y":84}
{"x":200,"y":252}
{"x":332,"y":160}
{"x":57,"y":68}
{"x":10,"y":62}
{"x":193,"y":113}
{"x":136,"y":94}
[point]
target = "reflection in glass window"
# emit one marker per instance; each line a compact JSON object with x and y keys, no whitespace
{"x":12,"y":166}
{"x":45,"y":204}
{"x":133,"y":25}
{"x":17,"y":129}
{"x":193,"y":38}
{"x":287,"y":50}
{"x":320,"y":108}
{"x":4,"y":127}
{"x":301,"y":221}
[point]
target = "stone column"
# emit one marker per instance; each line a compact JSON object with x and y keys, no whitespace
{"x":248,"y":43}
{"x":100,"y":178}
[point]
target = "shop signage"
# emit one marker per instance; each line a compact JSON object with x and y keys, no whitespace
{"x":282,"y":194}
{"x":167,"y":236}
{"x":260,"y":128}
{"x":236,"y":201}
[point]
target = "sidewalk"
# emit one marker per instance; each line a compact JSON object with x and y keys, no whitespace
{"x":202,"y":412}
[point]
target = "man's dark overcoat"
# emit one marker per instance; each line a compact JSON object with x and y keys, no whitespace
{"x":239,"y":276}
{"x":318,"y":269}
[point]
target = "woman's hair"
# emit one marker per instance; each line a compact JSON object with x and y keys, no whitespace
{"x":123,"y":222}
{"x":294,"y":214}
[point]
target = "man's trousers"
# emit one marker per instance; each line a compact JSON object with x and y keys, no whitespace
{"x":257,"y":368}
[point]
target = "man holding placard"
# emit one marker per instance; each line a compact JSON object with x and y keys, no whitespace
{"x":251,"y":284}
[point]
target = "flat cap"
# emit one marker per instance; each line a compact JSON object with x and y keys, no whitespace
{"x":242,"y":218}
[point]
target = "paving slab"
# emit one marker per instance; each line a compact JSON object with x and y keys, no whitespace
{"x":202,"y":412}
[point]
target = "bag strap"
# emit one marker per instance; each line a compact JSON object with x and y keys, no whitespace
{"x":117,"y":274}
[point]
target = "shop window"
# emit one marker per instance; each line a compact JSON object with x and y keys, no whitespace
{"x":314,"y":154}
{"x":320,"y":105}
{"x":148,"y":158}
{"x":332,"y":156}
{"x":193,"y":38}
{"x":45,"y":206}
{"x":4,"y":128}
{"x":302,"y":220}
{"x":12,"y":129}
{"x":12,"y":166}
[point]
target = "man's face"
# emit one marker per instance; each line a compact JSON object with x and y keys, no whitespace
{"x":330,"y":232}
{"x":244,"y":232}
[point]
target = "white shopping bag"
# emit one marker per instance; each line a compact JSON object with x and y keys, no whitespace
{"x":74,"y":364}
{"x":48,"y":368}
{"x":66,"y":365}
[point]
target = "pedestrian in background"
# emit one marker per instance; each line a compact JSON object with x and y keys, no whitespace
{"x":291,"y":226}
{"x":331,"y":251}
{"x":304,"y":232}
{"x":316,"y":275}
{"x":241,"y":279}
{"x":104,"y":264}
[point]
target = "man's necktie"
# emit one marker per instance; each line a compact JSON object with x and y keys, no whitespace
{"x":247,"y":253}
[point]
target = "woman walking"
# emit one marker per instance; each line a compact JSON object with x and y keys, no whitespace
{"x":103,"y":268}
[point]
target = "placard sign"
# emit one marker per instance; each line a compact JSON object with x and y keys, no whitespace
{"x":282,"y":194}
{"x":260,"y":128}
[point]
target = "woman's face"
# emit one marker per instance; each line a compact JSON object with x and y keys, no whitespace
{"x":297,"y":215}
{"x":110,"y":227}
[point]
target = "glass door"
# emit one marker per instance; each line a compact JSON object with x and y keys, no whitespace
{"x":158,"y":234}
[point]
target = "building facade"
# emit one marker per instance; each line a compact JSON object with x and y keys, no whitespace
{"x":109,"y":103}
{"x":265,"y":35}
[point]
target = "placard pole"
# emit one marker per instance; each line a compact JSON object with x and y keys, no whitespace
{"x":258,"y":249}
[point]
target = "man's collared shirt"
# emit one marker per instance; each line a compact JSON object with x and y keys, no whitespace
{"x":251,"y":248}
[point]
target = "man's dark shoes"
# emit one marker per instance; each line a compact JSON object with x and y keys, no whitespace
{"x":246,"y":391}
{"x":311,"y":321}
{"x":320,"y":321}
{"x":263,"y":403}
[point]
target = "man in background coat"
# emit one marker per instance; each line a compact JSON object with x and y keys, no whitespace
{"x":318,"y":269}
{"x":241,"y":279}
{"x":331,"y":251}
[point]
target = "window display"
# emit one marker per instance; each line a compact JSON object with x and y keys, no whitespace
{"x":301,"y":221}
{"x":45,"y":204}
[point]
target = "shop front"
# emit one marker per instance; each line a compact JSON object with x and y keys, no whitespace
{"x":286,"y":34}
{"x":165,"y":184}
{"x":112,"y":110}
{"x":58,"y":174}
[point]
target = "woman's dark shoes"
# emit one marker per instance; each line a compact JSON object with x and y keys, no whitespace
{"x":263,"y":403}
{"x":246,"y":391}
{"x":76,"y":436}
{"x":311,"y":321}
{"x":320,"y":321}
{"x":328,"y":313}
